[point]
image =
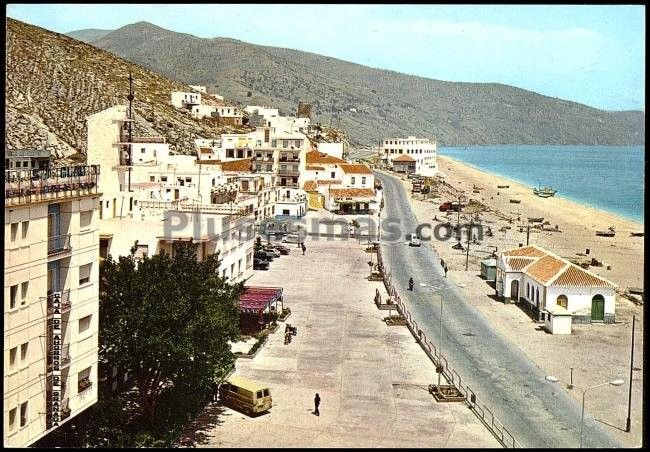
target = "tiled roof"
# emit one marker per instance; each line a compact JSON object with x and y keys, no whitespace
{"x":321,"y":157}
{"x":404,"y":158}
{"x":355,"y":169}
{"x":352,"y":193}
{"x":551,"y":270}
{"x":576,"y":276}
{"x":529,"y":251}
{"x":205,"y":150}
{"x":518,"y":263}
{"x":310,"y":185}
{"x":237,"y":165}
{"x":314,"y":167}
{"x":545,"y":268}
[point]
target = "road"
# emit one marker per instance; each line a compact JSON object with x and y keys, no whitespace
{"x":536,"y":412}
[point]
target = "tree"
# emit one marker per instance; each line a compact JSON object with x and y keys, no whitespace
{"x":167,"y":321}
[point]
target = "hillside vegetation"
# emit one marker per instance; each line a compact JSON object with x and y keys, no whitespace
{"x":387,"y":103}
{"x":53,"y":82}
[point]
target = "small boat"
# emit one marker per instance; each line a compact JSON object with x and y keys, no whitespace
{"x":515,"y":201}
{"x":545,"y":192}
{"x":637,"y":234}
{"x":609,"y":233}
{"x":503,"y":186}
{"x":535,"y":219}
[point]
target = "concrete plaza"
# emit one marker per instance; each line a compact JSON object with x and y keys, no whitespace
{"x":372,"y":378}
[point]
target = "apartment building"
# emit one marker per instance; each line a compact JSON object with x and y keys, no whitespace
{"x":421,"y":150}
{"x":51,"y":294}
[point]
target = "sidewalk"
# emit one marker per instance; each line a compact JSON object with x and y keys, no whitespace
{"x":372,"y":378}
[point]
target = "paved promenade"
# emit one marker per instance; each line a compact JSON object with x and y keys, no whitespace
{"x":372,"y":378}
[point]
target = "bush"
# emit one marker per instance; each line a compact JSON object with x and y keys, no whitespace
{"x":260,"y":340}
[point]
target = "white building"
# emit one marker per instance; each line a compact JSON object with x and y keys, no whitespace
{"x":333,"y":149}
{"x":201,"y":111}
{"x":543,"y":280}
{"x":163,"y":183}
{"x":421,"y":150}
{"x":199,"y":88}
{"x":51,"y":290}
{"x":184,"y":99}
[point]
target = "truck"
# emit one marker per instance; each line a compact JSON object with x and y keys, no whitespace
{"x":450,"y":206}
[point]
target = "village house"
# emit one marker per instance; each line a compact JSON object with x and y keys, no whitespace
{"x":543,"y":281}
{"x":184,"y":99}
{"x":421,"y":150}
{"x":199,"y":88}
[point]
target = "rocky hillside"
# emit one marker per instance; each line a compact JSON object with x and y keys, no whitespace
{"x":53,"y":82}
{"x":89,"y":34}
{"x":371,"y":103}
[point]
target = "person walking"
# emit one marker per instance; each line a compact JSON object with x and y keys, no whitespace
{"x":303,"y":249}
{"x":316,"y":404}
{"x":446,"y":270}
{"x":442,"y":263}
{"x":215,"y":391}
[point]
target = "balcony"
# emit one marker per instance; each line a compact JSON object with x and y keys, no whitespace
{"x":287,"y":184}
{"x":65,"y":303}
{"x":35,"y":185}
{"x":288,"y":171}
{"x":58,"y":244}
{"x":289,"y":158}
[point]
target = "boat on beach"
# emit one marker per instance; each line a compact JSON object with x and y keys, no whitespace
{"x":637,"y":234}
{"x":609,"y":233}
{"x":515,"y":201}
{"x":545,"y":192}
{"x":503,"y":186}
{"x":535,"y":219}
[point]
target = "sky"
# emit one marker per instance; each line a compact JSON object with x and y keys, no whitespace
{"x":589,"y":54}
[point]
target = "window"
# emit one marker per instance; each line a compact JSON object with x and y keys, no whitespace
{"x":363,"y":180}
{"x":259,"y":394}
{"x":143,"y":150}
{"x":25,"y":228}
{"x":23,"y":414}
{"x":537,"y":296}
{"x":224,"y":273}
{"x":332,"y":175}
{"x":84,"y":323}
{"x":12,"y":357}
{"x":83,"y":380}
{"x":84,"y":273}
{"x":12,"y":419}
{"x":163,"y":178}
{"x":141,"y":252}
{"x":23,"y":352}
{"x":230,"y":153}
{"x":152,"y":178}
{"x":188,"y":179}
{"x":352,"y":179}
{"x":23,"y":292}
{"x":14,"y":231}
{"x":13,"y":292}
{"x":563,"y":301}
{"x":85,"y":218}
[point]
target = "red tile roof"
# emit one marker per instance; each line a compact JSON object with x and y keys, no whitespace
{"x":530,"y":251}
{"x":355,"y":169}
{"x":321,"y":157}
{"x":237,"y":165}
{"x":310,"y":185}
{"x":545,"y":268}
{"x":328,"y":181}
{"x":576,"y":276}
{"x":404,"y":158}
{"x":518,"y":263}
{"x":352,"y":193}
{"x":314,"y":167}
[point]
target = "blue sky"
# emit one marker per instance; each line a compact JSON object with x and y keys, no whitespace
{"x":589,"y":54}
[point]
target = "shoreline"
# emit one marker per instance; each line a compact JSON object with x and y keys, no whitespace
{"x":597,"y":210}
{"x":617,"y":215}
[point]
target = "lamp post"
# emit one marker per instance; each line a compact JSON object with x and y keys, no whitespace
{"x":553,"y":379}
{"x":434,"y":287}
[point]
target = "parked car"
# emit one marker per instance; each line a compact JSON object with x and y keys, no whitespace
{"x":272,"y":251}
{"x":414,"y":240}
{"x":260,"y":264}
{"x":281,"y":248}
{"x":260,"y":254}
{"x":450,"y":206}
{"x":292,"y":238}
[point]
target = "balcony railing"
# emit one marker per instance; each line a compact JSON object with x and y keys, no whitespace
{"x":25,"y":186}
{"x":58,"y":244}
{"x":288,"y":184}
{"x":65,"y":302}
{"x":288,"y":171}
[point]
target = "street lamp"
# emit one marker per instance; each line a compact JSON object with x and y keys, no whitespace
{"x":434,"y":287}
{"x":553,"y":379}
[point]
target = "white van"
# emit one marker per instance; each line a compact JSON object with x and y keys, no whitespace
{"x":414,"y":240}
{"x":293,"y":238}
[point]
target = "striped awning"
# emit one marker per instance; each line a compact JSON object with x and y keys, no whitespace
{"x":257,"y":299}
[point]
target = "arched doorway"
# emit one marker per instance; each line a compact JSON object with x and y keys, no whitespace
{"x":514,"y":290}
{"x":598,"y":308}
{"x":563,"y":301}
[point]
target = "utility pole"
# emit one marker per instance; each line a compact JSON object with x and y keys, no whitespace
{"x":628,"y":424}
{"x":527,"y":234}
{"x":469,"y":233}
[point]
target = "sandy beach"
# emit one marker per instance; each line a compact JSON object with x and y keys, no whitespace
{"x":576,"y":224}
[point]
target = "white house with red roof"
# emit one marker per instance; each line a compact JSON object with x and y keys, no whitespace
{"x":545,"y":281}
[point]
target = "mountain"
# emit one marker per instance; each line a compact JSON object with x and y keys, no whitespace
{"x":53,"y":82}
{"x":88,"y":35}
{"x":387,"y":103}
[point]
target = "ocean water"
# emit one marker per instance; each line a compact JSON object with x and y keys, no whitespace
{"x":609,"y":178}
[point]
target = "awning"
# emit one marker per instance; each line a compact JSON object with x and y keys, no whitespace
{"x":257,"y":299}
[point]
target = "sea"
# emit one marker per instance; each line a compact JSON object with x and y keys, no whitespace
{"x":609,"y":178}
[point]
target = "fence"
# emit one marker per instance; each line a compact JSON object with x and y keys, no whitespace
{"x":479,"y":408}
